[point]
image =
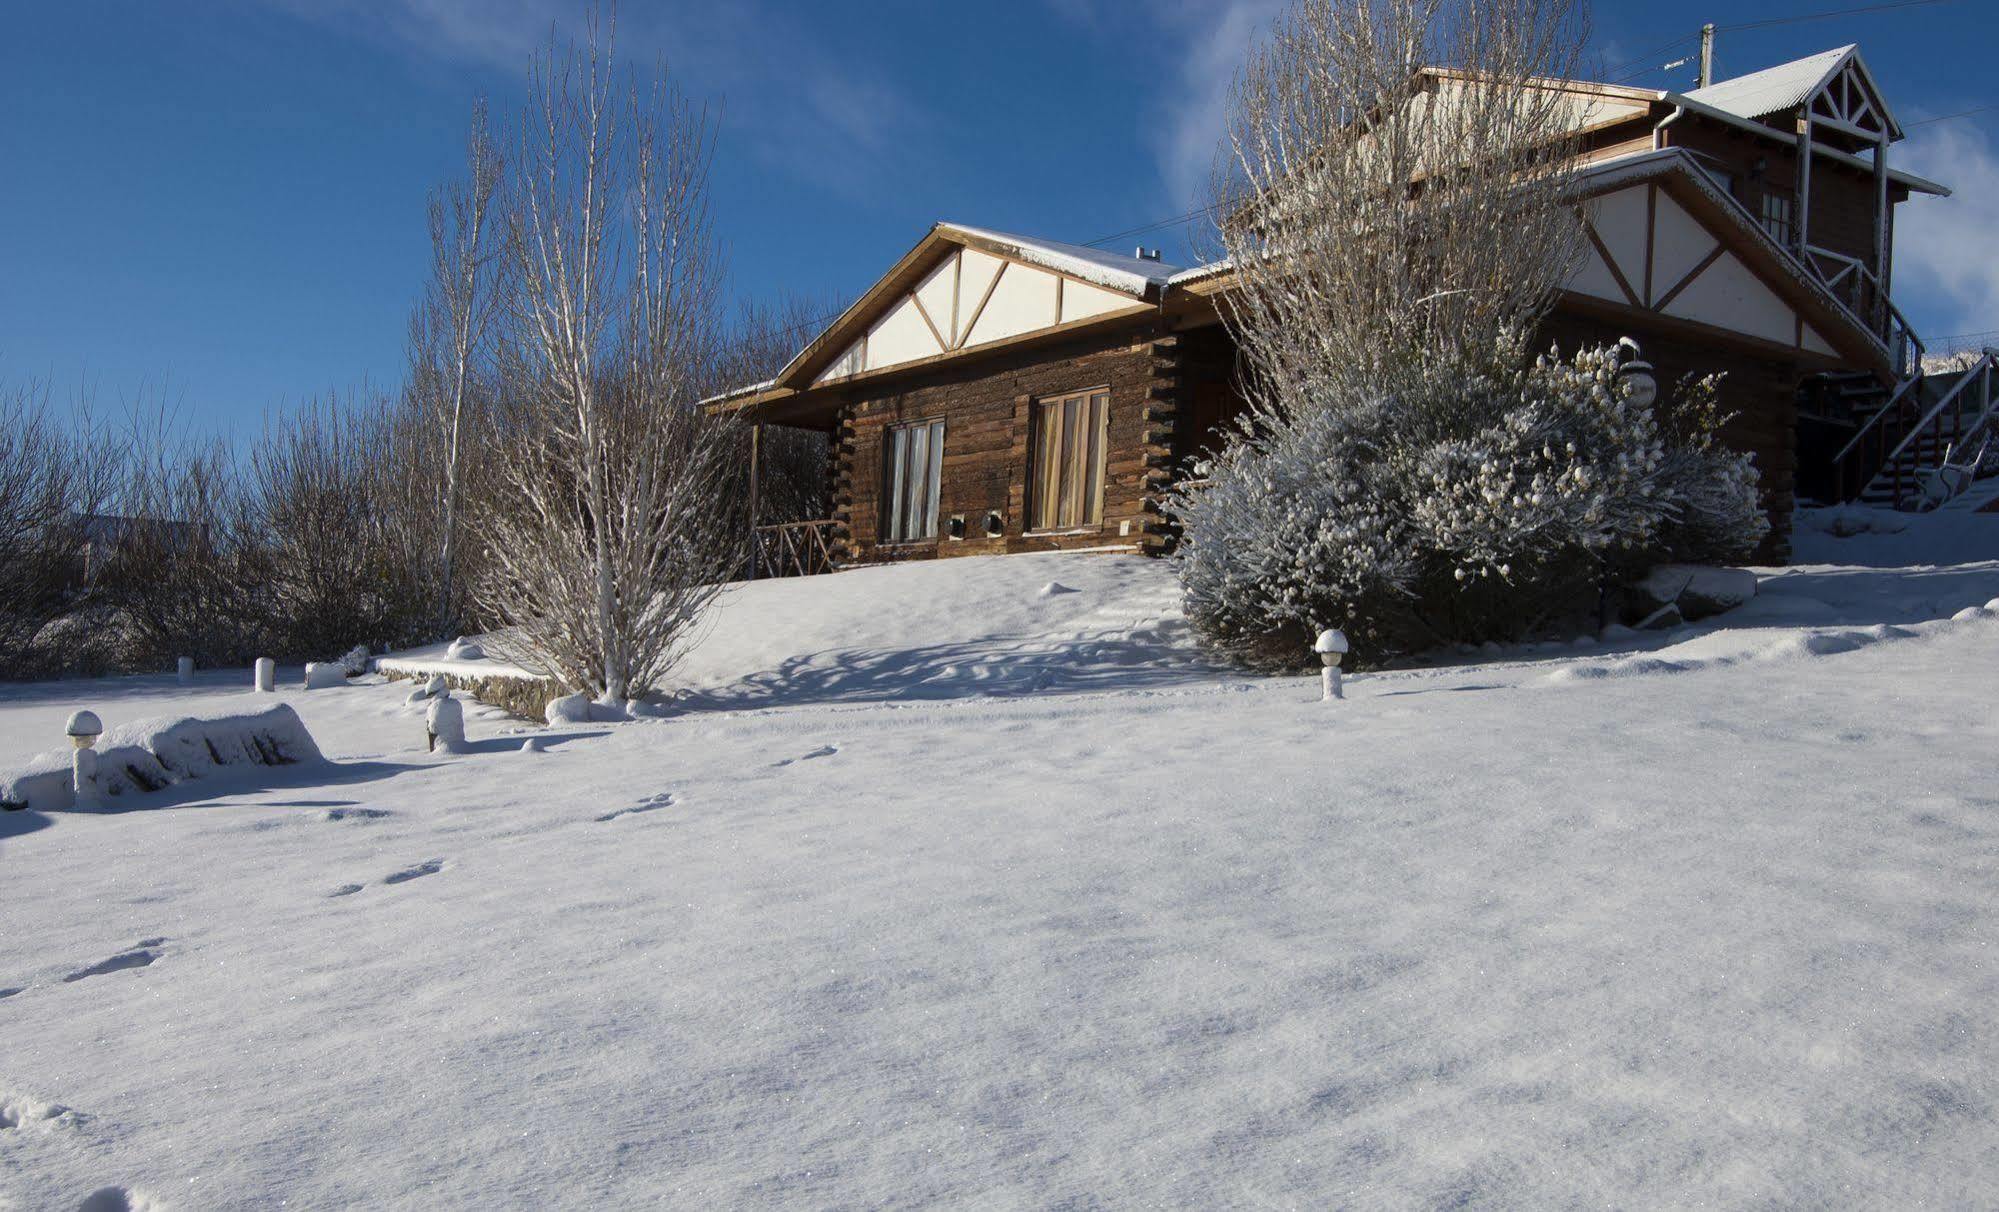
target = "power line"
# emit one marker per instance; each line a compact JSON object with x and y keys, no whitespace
{"x":1963,"y":113}
{"x":1767,"y":23}
{"x":1836,"y":12}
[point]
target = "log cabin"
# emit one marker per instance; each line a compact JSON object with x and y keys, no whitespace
{"x":998,"y":393}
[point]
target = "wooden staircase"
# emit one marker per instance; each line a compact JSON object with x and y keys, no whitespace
{"x":1903,"y":431}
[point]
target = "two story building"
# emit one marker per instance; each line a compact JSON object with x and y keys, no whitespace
{"x":999,"y":393}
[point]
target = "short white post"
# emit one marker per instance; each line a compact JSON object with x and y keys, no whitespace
{"x":1331,"y":646}
{"x":267,"y":674}
{"x":83,"y":729}
{"x":444,"y":724}
{"x":186,"y":670}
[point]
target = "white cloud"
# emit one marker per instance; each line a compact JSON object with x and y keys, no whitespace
{"x":1216,"y":38}
{"x":1947,"y":249}
{"x":791,"y":103}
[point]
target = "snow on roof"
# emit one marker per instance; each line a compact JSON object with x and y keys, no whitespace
{"x":1198,"y":272}
{"x":747,"y":389}
{"x":1774,"y":88}
{"x":1133,"y":275}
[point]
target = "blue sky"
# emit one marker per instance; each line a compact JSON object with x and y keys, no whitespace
{"x":227,"y":197}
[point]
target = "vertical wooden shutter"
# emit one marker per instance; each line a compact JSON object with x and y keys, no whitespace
{"x":1070,"y":434}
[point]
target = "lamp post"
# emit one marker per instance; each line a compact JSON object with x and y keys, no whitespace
{"x":1634,"y":374}
{"x":1331,"y":646}
{"x":83,"y":730}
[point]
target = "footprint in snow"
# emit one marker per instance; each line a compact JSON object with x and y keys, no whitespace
{"x":663,"y":800}
{"x":427,"y":867}
{"x":148,"y":950}
{"x":19,"y":1114}
{"x":116,"y":1199}
{"x":357,"y":814}
{"x":822,"y":751}
{"x":345,"y":890}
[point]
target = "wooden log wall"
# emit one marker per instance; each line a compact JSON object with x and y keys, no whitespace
{"x":987,"y":405}
{"x":1761,"y":390}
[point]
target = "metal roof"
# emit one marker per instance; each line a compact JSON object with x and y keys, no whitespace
{"x":1773,"y":89}
{"x":1131,"y":274}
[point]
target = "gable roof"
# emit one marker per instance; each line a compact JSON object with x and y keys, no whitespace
{"x":1104,"y":284}
{"x":1133,"y":275}
{"x":1722,"y":215}
{"x":1789,"y":85}
{"x":1784,"y":86}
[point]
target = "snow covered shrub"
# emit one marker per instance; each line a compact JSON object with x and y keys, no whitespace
{"x":1453,"y":507}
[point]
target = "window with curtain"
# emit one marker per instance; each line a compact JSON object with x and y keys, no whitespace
{"x":914,"y":462}
{"x":1068,"y":460}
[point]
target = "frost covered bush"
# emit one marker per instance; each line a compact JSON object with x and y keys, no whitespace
{"x":1458,"y":506}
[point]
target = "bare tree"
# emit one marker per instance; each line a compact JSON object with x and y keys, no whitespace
{"x":178,"y":574}
{"x":53,"y":480}
{"x":329,"y":544}
{"x":1392,"y":191}
{"x":791,"y":462}
{"x":613,"y":525}
{"x":449,"y":326}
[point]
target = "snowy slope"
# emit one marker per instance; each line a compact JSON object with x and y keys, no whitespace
{"x":1480,"y":935}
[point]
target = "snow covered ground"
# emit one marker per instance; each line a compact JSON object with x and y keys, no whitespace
{"x":946,"y":889}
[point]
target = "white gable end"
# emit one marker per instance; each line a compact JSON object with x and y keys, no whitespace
{"x":972,"y":298}
{"x":1679,"y":245}
{"x":1669,"y":261}
{"x":1727,"y":295}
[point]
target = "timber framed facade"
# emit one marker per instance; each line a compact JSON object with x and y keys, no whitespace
{"x":995,"y":393}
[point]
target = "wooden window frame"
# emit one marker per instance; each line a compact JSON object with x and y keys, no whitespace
{"x":891,"y":519}
{"x":1786,"y":218}
{"x":1093,"y":431}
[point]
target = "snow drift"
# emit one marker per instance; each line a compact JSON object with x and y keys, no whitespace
{"x":149,"y":755}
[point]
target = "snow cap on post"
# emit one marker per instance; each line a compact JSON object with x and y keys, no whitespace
{"x":1331,"y":646}
{"x":84,"y":726}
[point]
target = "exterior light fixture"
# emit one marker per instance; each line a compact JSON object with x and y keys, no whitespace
{"x":1634,"y":374}
{"x":83,"y":729}
{"x":1331,"y":646}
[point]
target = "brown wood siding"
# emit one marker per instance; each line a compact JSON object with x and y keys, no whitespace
{"x":1762,"y":392}
{"x":985,"y":405}
{"x":1843,"y":198}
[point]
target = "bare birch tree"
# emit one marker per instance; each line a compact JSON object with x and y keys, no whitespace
{"x":612,"y":527}
{"x":449,"y":327}
{"x":1392,"y":190}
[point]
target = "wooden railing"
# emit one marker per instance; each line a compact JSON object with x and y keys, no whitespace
{"x":1857,"y":287}
{"x":793,"y":549}
{"x":1875,"y":452}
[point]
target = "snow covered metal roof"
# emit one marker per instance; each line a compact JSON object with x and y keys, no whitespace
{"x":1133,"y":275}
{"x":1773,"y":89}
{"x":746,"y":389}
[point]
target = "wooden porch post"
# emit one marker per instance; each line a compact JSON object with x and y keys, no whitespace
{"x":756,"y":476}
{"x":1805,"y":186}
{"x":1881,"y":225}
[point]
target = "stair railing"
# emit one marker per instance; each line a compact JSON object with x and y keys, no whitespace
{"x":1980,"y":371}
{"x":1946,"y":420}
{"x":1857,"y":287}
{"x":1851,"y":478}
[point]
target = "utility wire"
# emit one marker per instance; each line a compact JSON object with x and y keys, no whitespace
{"x":1156,"y":225}
{"x":1963,"y":113}
{"x":1766,"y":23}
